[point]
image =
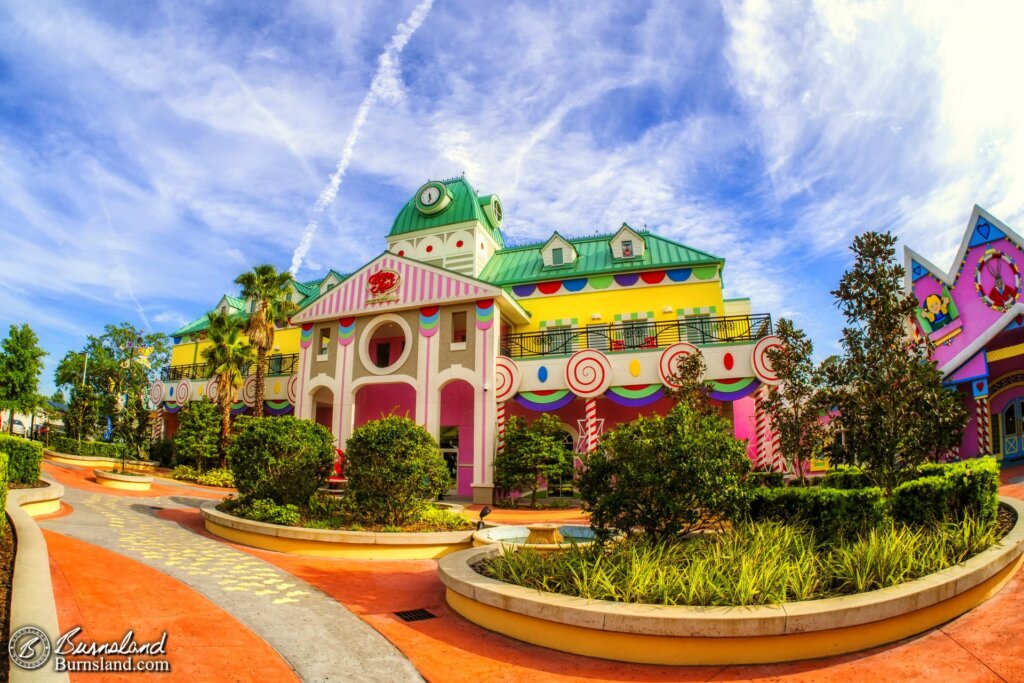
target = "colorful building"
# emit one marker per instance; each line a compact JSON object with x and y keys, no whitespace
{"x":974,"y":316}
{"x":454,"y":328}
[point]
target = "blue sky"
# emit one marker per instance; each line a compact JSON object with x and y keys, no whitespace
{"x":149,"y":152}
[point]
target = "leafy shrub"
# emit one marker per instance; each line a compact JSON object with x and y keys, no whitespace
{"x":950,"y":492}
{"x":162,"y":451}
{"x":836,"y":513}
{"x":3,"y":491}
{"x":444,"y":520}
{"x":23,"y":458}
{"x":772,"y":480}
{"x":393,"y":466}
{"x":845,"y":478}
{"x":96,"y":449}
{"x":282,"y":459}
{"x":196,"y":441}
{"x":665,"y":475}
{"x":185,"y":473}
{"x":264,"y":510}
{"x":220,"y":476}
{"x":533,"y":452}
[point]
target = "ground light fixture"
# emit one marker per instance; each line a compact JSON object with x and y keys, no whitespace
{"x":483,"y":513}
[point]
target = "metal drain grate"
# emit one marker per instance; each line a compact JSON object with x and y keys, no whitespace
{"x":415,"y":615}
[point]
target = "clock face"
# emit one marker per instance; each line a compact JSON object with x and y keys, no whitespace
{"x":429,"y":196}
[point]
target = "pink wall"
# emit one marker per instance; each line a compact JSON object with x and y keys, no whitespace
{"x":457,"y":407}
{"x":377,"y":400}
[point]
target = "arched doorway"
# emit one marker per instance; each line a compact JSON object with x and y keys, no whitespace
{"x":322,"y":399}
{"x":376,"y":400}
{"x":458,"y":431}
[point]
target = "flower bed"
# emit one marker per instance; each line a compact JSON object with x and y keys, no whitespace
{"x":661,"y":634}
{"x":126,"y":481}
{"x":366,"y":545}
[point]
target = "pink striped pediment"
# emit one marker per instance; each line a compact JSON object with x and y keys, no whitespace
{"x":393,"y":283}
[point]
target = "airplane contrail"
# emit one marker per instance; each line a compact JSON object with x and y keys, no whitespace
{"x":386,"y":85}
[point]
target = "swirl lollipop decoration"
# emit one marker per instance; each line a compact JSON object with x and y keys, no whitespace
{"x":213,"y":388}
{"x":156,"y":393}
{"x":506,"y":379}
{"x":588,"y":373}
{"x":293,"y":389}
{"x":249,"y":391}
{"x":762,"y":365}
{"x":670,"y":359}
{"x":181,"y":392}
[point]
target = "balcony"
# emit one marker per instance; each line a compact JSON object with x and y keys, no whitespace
{"x":611,"y":337}
{"x":280,"y":364}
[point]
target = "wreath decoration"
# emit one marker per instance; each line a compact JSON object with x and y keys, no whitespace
{"x":992,"y":261}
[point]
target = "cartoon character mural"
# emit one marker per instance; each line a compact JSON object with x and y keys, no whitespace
{"x":937,"y":311}
{"x":988,"y":280}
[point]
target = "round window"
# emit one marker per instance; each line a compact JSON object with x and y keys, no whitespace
{"x":385,"y":345}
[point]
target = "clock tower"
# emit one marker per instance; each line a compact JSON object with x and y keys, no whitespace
{"x":447,"y":224}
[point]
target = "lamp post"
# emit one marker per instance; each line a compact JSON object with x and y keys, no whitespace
{"x":85,"y":366}
{"x":132,"y":345}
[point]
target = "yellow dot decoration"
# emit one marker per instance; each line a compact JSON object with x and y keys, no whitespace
{"x":634,"y":368}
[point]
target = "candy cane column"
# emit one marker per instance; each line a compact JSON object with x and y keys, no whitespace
{"x":506,"y":384}
{"x":768,"y":451}
{"x":983,"y":422}
{"x":588,"y":373}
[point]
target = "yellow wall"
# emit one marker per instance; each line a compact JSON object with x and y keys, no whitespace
{"x":187,"y":353}
{"x":610,"y":302}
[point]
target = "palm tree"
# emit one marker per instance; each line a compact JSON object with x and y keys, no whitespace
{"x":269,"y":290}
{"x":227,"y":357}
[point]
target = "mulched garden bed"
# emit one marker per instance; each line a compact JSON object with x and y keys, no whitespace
{"x":18,"y":485}
{"x":7,"y":550}
{"x":1006,"y":519}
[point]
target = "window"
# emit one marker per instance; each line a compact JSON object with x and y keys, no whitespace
{"x":697,"y":329}
{"x":325,"y":341}
{"x":382,"y":354}
{"x":459,"y":327}
{"x":559,"y":339}
{"x":288,"y":296}
{"x":627,"y":248}
{"x":557,"y":257}
{"x":639,"y":334}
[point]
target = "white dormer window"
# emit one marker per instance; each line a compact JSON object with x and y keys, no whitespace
{"x":558,"y":252}
{"x":627,"y":243}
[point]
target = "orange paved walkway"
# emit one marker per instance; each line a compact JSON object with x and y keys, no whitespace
{"x":106,"y":593}
{"x":983,"y":645}
{"x":83,"y":478}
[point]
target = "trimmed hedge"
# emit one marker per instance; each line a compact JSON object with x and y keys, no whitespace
{"x":280,"y":459}
{"x":845,"y":478}
{"x":772,"y":480}
{"x":834,"y":513}
{"x":950,"y":492}
{"x":24,"y":458}
{"x":97,"y":449}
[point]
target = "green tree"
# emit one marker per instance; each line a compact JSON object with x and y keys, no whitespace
{"x":21,"y":361}
{"x":269,"y":290}
{"x":796,"y":406}
{"x":892,"y":408}
{"x":118,"y":364}
{"x":666,"y":476}
{"x":82,"y":414}
{"x":534,"y":452}
{"x":687,"y":383}
{"x":198,"y":428}
{"x":394,"y":466}
{"x":227,"y":357}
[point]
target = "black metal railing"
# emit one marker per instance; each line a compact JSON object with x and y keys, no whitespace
{"x":280,"y":364}
{"x":625,"y":336}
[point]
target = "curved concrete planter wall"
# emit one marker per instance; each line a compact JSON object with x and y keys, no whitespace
{"x":125,"y":482}
{"x":40,"y":501}
{"x":32,"y":600}
{"x":99,"y":461}
{"x":360,"y":545}
{"x":656,"y":634}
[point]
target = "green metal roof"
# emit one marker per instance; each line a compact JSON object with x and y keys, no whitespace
{"x":523,"y":264}
{"x":465,"y":206}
